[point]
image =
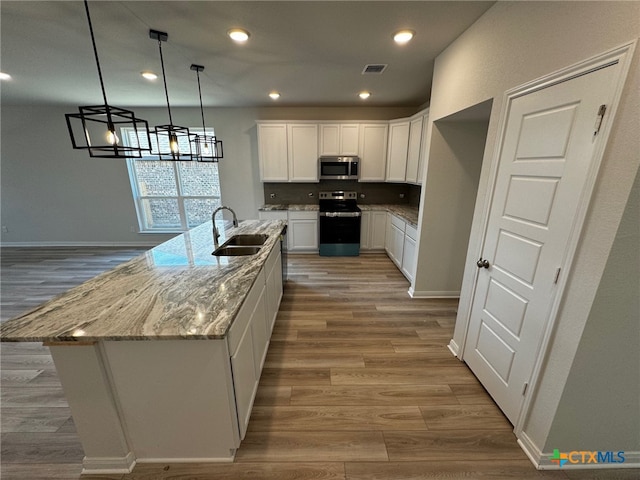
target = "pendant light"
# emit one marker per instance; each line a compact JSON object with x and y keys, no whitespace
{"x":94,"y":127}
{"x":207,"y":147}
{"x":174,"y":142}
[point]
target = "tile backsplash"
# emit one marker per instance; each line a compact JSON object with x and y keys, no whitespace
{"x":307,"y":193}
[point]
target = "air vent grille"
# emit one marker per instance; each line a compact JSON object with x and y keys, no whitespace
{"x":374,"y":69}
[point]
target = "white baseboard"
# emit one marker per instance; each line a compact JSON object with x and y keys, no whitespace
{"x":79,"y":244}
{"x":188,"y":460}
{"x":433,"y":294}
{"x":108,"y":465}
{"x":453,"y":348}
{"x":542,"y":460}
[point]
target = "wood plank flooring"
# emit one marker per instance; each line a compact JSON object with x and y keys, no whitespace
{"x":358,"y":384}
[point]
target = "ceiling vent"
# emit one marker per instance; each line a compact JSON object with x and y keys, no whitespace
{"x":374,"y":69}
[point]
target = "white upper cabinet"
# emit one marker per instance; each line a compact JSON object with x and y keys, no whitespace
{"x":373,"y":152}
{"x":272,"y":146}
{"x":339,"y":139}
{"x":424,"y":147}
{"x":413,"y":155}
{"x":397,"y":151}
{"x":303,"y":152}
{"x":288,"y":152}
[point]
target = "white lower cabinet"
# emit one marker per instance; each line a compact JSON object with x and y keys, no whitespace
{"x":250,"y":334}
{"x":373,"y":230}
{"x":274,"y":287}
{"x":302,"y":231}
{"x":394,"y":242}
{"x":409,"y":253}
{"x":400,"y":245}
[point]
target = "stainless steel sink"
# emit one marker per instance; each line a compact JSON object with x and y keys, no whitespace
{"x":234,"y":251}
{"x":248,"y":239}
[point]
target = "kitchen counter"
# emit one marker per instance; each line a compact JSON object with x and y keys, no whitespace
{"x":177,"y":290}
{"x":406,"y":212}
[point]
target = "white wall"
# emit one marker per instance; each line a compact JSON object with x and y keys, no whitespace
{"x":54,"y":194}
{"x":513,"y":43}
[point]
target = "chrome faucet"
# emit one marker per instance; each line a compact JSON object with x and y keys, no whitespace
{"x":216,"y":234}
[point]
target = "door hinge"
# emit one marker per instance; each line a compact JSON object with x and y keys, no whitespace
{"x":557,"y":275}
{"x":601,"y":111}
{"x":524,"y":388}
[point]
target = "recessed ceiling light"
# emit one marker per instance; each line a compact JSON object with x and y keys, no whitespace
{"x":238,"y":35}
{"x":364,"y":95}
{"x":403,"y":36}
{"x":149,"y":75}
{"x":274,"y":95}
{"x":5,"y":76}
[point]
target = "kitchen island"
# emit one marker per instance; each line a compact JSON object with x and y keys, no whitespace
{"x":160,"y":358}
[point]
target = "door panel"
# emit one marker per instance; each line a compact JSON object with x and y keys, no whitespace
{"x":545,"y":158}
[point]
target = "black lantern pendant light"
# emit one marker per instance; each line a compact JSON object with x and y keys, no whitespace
{"x":207,"y":147}
{"x":174,"y":142}
{"x":94,"y":127}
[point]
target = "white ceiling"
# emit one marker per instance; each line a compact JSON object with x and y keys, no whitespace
{"x":312,"y":52}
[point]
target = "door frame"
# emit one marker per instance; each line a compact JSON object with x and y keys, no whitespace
{"x":621,"y":55}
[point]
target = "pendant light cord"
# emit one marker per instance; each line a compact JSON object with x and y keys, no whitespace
{"x":95,"y":52}
{"x":164,"y":78}
{"x":204,"y":130}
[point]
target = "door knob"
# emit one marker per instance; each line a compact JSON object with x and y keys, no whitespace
{"x":482,"y":263}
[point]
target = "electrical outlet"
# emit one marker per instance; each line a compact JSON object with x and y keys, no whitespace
{"x":5,"y":229}
{"x":272,"y":195}
{"x":132,"y":229}
{"x":402,"y":195}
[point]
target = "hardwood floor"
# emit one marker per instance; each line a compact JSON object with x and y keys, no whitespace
{"x":358,"y":384}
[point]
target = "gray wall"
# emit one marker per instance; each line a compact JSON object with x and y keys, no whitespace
{"x":455,"y":160}
{"x":514,"y":43}
{"x":605,"y":334}
{"x":52,"y":194}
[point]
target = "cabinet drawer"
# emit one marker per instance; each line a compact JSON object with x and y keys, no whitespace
{"x":411,"y":232}
{"x":398,"y":222}
{"x":302,"y":215}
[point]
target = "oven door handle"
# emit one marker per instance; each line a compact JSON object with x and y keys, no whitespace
{"x":340,"y":214}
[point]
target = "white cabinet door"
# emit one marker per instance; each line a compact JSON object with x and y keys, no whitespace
{"x":329,"y":139}
{"x":394,"y":244}
{"x":303,"y":231}
{"x":339,"y":139}
{"x":349,"y":139}
{"x":245,"y":382}
{"x":377,"y":231}
{"x":303,"y":152}
{"x":413,"y":154}
{"x":373,"y":152}
{"x":272,"y":152}
{"x":273,"y":288}
{"x":364,"y":230}
{"x":397,"y":152}
{"x":409,"y":253}
{"x":260,"y":332}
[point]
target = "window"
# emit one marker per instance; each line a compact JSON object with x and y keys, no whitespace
{"x":172,"y":196}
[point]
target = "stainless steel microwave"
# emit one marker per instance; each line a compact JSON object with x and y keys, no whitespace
{"x":338,"y":168}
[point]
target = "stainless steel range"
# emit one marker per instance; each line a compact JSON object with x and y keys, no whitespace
{"x":339,"y":224}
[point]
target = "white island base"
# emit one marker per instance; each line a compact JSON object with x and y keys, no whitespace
{"x":150,"y":401}
{"x":160,"y":401}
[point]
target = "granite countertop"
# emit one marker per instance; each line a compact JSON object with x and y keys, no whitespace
{"x":177,"y":290}
{"x":406,"y":212}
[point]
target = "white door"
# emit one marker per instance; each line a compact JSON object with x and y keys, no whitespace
{"x":546,"y":154}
